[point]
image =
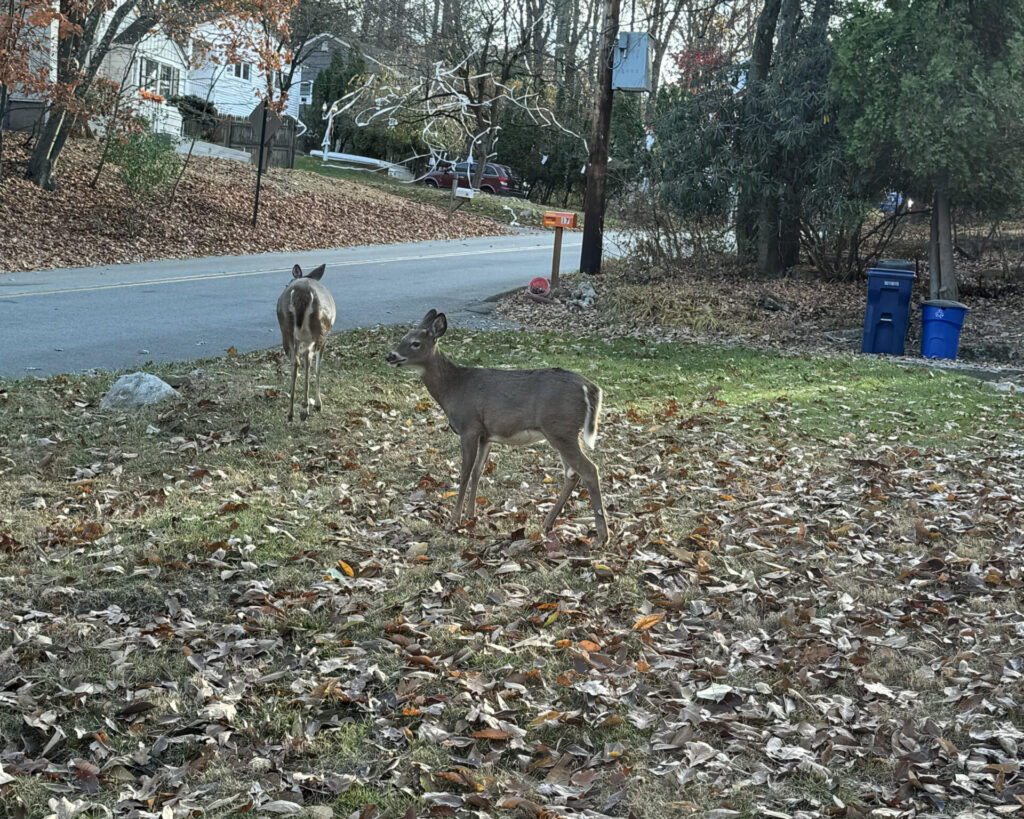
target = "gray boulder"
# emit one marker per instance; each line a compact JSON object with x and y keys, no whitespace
{"x":137,"y":390}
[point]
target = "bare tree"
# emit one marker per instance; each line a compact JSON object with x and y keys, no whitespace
{"x":494,"y":55}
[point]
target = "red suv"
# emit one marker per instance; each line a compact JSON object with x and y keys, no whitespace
{"x":498,"y":179}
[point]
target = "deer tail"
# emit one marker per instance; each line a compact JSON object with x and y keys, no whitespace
{"x":592,"y":395}
{"x":302,"y":300}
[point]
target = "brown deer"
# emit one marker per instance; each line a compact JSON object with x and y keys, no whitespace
{"x":305,"y":311}
{"x":519,"y":407}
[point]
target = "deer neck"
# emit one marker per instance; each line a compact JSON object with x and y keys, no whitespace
{"x":440,"y":375}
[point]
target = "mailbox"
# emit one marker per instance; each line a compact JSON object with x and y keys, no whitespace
{"x":559,"y":219}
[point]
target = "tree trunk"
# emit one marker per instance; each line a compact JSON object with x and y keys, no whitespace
{"x":789,"y":229}
{"x":769,"y":262}
{"x":746,"y":196}
{"x":947,"y":269}
{"x":597,"y":165}
{"x":933,"y":254}
{"x":44,"y":157}
{"x":3,"y":111}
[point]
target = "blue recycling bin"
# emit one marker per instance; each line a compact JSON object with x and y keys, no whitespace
{"x":890,"y":286}
{"x":941,"y":321}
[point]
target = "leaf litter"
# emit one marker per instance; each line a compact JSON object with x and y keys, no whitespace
{"x":799,"y":614}
{"x":79,"y":225}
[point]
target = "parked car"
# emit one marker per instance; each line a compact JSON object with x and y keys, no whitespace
{"x":497,"y":179}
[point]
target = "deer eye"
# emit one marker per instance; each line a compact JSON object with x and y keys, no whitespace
{"x":415,"y":345}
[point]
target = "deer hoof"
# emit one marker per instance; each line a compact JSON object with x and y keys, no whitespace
{"x":291,"y":417}
{"x":318,"y":407}
{"x":303,"y":415}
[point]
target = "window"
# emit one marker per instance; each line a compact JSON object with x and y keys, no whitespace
{"x":168,"y":81}
{"x":243,"y":70}
{"x":159,"y":78}
{"x":306,"y":92}
{"x":324,"y":46}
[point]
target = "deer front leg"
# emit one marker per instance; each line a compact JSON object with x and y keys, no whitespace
{"x":478,"y":468}
{"x":304,"y":412}
{"x":470,"y":447}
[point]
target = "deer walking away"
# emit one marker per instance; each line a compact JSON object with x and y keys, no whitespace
{"x":306,"y":313}
{"x":518,"y":407}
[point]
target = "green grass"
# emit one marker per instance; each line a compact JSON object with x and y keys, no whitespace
{"x":223,"y":537}
{"x":493,"y":207}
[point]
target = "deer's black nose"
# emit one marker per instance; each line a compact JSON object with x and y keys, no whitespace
{"x":391,"y":358}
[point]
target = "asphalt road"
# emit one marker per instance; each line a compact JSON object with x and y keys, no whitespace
{"x":121,"y":316}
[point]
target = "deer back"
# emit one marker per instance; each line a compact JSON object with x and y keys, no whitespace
{"x":306,"y":310}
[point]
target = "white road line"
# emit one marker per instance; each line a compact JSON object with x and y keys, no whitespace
{"x":210,"y":276}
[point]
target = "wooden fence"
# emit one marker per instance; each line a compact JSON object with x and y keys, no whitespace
{"x":237,"y":133}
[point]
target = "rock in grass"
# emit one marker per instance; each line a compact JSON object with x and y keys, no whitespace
{"x":769,"y":302}
{"x":583,"y":297}
{"x":137,"y":390}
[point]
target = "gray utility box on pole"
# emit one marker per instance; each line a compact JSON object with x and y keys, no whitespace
{"x":631,"y":62}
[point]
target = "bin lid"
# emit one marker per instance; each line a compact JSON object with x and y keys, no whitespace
{"x":944,"y":304}
{"x":891,"y":273}
{"x":894,"y":264}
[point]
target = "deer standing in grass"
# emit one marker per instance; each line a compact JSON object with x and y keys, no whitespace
{"x":306,"y":312}
{"x":519,"y":407}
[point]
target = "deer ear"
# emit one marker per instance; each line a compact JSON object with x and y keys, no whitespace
{"x":296,"y":272}
{"x":428,"y":319}
{"x":317,"y":272}
{"x":438,"y":325}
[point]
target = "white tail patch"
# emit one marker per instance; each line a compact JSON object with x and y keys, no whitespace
{"x":591,"y":418}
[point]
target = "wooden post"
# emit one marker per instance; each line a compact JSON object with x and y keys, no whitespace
{"x":557,"y":258}
{"x":597,"y":165}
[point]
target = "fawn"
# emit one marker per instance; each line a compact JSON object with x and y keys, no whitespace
{"x":486,"y":406}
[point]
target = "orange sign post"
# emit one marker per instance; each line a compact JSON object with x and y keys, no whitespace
{"x":558,"y":220}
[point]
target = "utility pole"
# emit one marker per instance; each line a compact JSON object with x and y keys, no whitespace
{"x":597,"y":165}
{"x":259,"y":164}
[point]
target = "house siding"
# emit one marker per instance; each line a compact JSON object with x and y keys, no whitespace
{"x":216,"y":80}
{"x":124,"y":65}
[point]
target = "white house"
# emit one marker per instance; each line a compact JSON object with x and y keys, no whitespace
{"x":235,"y":83}
{"x":148,"y":66}
{"x":151,"y":68}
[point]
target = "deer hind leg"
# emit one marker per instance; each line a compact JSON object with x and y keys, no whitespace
{"x":304,"y":412}
{"x":483,"y":450}
{"x":319,"y":405}
{"x":470,"y":448}
{"x":586,"y":471}
{"x":293,"y":355}
{"x":572,"y":480}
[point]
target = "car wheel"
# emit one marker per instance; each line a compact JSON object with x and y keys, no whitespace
{"x":430,"y":183}
{"x":486,"y":189}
